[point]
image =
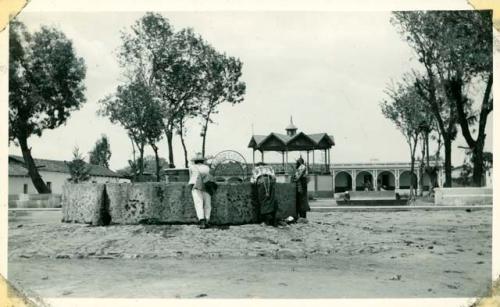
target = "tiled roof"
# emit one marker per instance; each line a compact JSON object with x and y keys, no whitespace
{"x":17,"y":170}
{"x":16,"y":165}
{"x":315,"y":141}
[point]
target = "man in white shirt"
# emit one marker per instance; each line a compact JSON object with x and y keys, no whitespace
{"x":198,"y":176}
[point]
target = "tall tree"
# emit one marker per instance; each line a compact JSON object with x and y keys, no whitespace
{"x":455,"y":48}
{"x":45,"y":86}
{"x":405,"y":109}
{"x":168,"y":64}
{"x":465,"y":47}
{"x":222,"y":85}
{"x":78,"y":169}
{"x":133,"y":107}
{"x":101,"y":153}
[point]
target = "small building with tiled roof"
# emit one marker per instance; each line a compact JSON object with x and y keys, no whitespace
{"x":54,"y":172}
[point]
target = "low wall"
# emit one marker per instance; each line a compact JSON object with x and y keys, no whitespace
{"x":126,"y":203}
{"x":177,"y":175}
{"x":372,"y":195}
{"x":463,"y":196}
{"x":35,"y":201}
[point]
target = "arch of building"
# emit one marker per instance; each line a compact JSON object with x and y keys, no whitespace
{"x":386,"y":180}
{"x":343,"y":182}
{"x":364,"y":180}
{"x":405,"y":180}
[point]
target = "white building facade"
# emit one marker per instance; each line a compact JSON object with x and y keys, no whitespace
{"x":54,"y":173}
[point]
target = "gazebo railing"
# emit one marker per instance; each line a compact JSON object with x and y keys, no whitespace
{"x":289,"y":168}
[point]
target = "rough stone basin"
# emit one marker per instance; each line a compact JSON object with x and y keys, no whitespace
{"x":156,"y":203}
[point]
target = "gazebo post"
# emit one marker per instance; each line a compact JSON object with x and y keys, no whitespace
{"x":308,"y":168}
{"x":313,"y":159}
{"x":283,"y":160}
{"x":329,"y":160}
{"x":262,"y":156}
{"x":253,"y":156}
{"x":286,"y":168}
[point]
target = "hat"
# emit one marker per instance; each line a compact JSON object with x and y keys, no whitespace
{"x":198,"y":157}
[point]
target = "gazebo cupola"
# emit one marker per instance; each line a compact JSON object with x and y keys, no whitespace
{"x":291,"y":130}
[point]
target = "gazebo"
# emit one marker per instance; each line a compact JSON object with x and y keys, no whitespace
{"x":293,"y":141}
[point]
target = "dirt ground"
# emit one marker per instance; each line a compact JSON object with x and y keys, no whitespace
{"x":413,"y":253}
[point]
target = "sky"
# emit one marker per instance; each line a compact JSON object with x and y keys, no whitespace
{"x":328,"y":70}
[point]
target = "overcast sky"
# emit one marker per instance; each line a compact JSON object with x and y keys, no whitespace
{"x":327,"y":70}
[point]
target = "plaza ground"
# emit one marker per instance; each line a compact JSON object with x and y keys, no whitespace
{"x":351,"y":254}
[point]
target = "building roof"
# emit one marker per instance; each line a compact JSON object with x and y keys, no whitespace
{"x":17,"y":168}
{"x":282,"y":142}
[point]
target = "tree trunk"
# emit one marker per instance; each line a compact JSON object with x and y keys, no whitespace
{"x":422,"y":167}
{"x":169,"y":134}
{"x":427,"y":149}
{"x":413,"y":148}
{"x":447,"y":161}
{"x":205,"y":128}
{"x":477,"y":162}
{"x":181,"y":135}
{"x":141,"y":159}
{"x":477,"y":146}
{"x":37,"y":180}
{"x":412,"y":170}
{"x":133,"y":148}
{"x":157,"y":161}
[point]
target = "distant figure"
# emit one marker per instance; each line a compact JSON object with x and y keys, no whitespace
{"x":347,"y":196}
{"x":199,"y":176}
{"x":301,"y":179}
{"x":264,"y":181}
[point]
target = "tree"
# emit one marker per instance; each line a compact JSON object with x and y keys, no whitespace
{"x":133,"y":107}
{"x":406,"y":110}
{"x":466,"y":49}
{"x":168,"y":63}
{"x":223,"y":74}
{"x":45,"y":86}
{"x":455,"y":48}
{"x":149,"y":166}
{"x":467,"y":167}
{"x":101,"y":153}
{"x":78,"y":169}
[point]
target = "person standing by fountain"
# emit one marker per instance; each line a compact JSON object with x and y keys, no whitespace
{"x":264,"y":182}
{"x":301,"y":179}
{"x":198,"y":176}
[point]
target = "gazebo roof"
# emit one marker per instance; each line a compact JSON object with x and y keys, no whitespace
{"x":301,"y":141}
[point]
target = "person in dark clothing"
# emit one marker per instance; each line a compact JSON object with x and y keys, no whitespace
{"x":267,"y":200}
{"x":264,"y":184}
{"x":301,"y":179}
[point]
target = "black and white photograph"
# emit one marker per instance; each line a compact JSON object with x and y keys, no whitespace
{"x":200,"y":154}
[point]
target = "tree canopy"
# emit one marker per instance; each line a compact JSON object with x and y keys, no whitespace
{"x":222,"y":85}
{"x":133,"y":107}
{"x":46,"y":83}
{"x":167,"y":63}
{"x":79,"y":170}
{"x":101,"y":153}
{"x":183,"y":72}
{"x":455,"y":48}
